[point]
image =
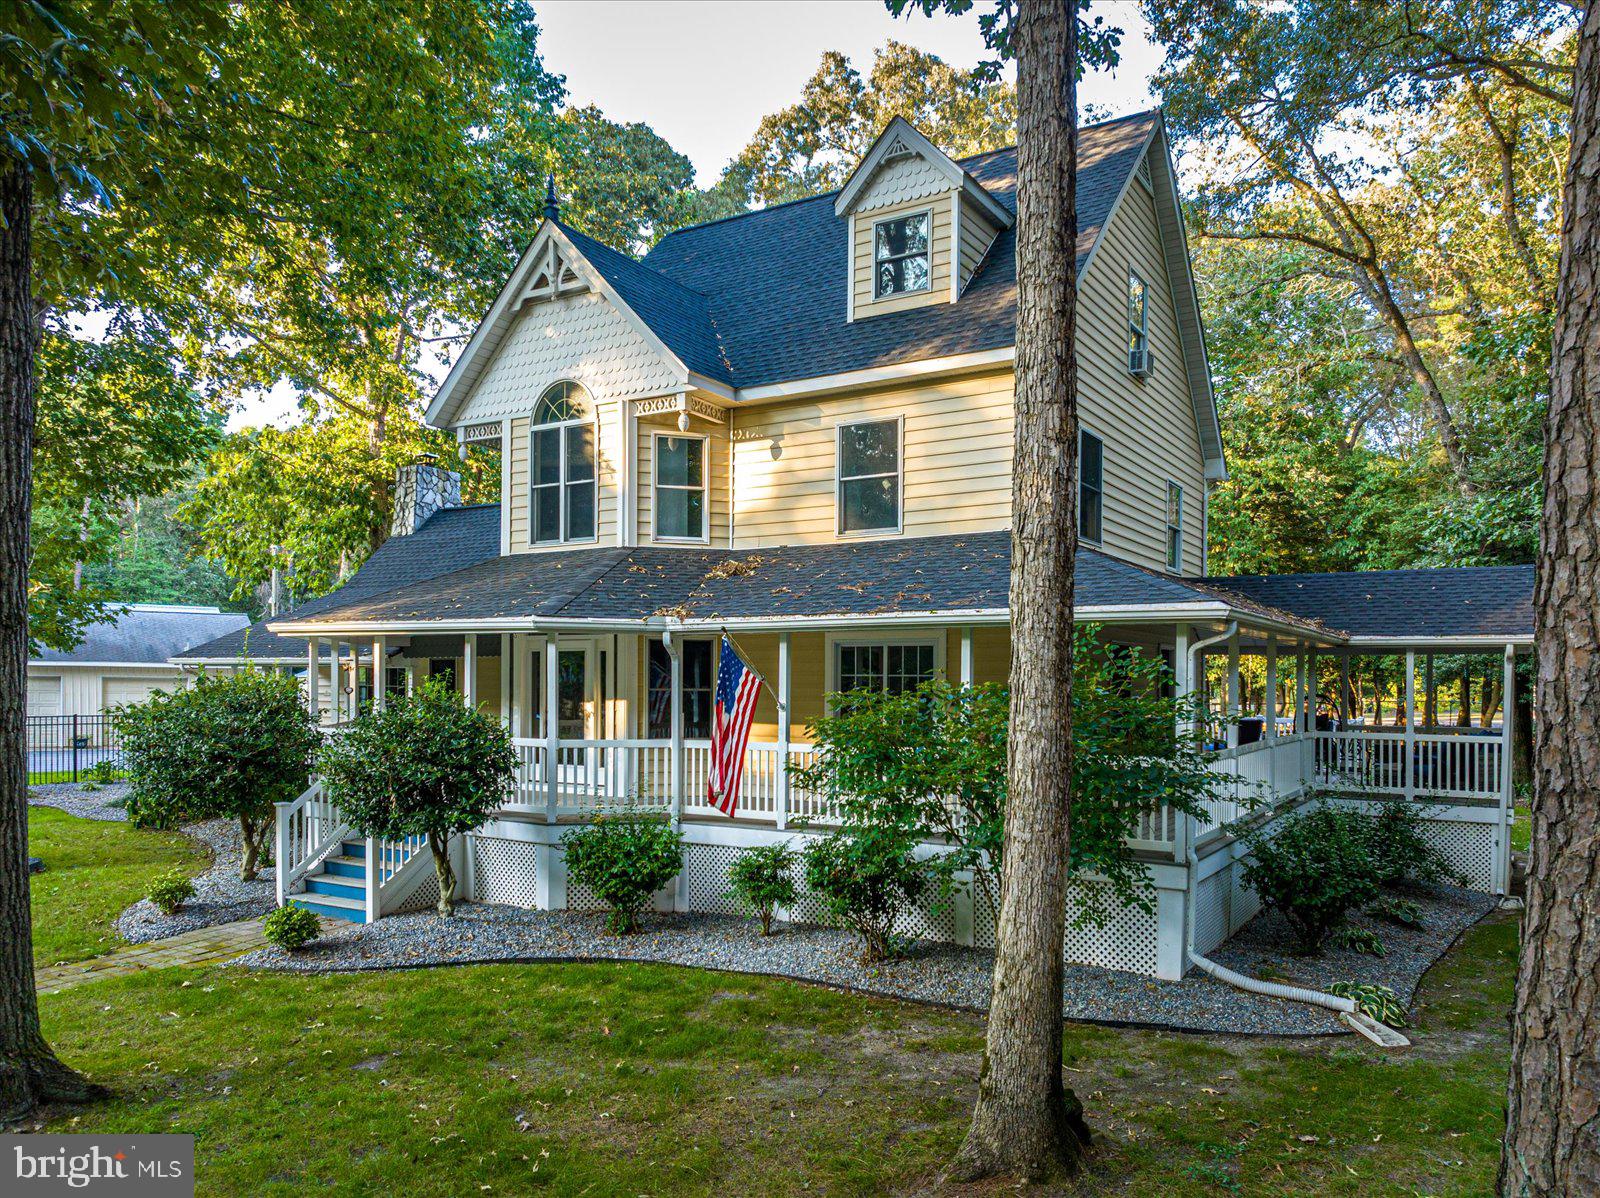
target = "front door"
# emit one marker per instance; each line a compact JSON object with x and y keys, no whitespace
{"x":580,"y":704}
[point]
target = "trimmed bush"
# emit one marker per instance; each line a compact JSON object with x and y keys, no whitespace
{"x":228,"y":747}
{"x":762,"y":880}
{"x":427,"y":765}
{"x":865,"y":877}
{"x":171,"y":890}
{"x":624,"y":859}
{"x":1316,"y":870}
{"x":1401,"y":855}
{"x":291,"y":928}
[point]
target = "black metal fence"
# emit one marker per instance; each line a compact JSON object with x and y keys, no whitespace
{"x":69,"y":748}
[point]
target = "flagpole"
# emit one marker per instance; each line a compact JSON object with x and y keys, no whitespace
{"x":739,"y":649}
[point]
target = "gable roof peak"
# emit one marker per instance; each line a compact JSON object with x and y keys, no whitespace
{"x":899,"y":140}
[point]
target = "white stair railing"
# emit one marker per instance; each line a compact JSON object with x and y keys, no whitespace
{"x":308,"y":829}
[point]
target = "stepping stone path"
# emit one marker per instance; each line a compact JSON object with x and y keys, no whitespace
{"x":204,"y":946}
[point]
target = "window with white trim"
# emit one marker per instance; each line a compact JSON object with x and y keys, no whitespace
{"x":869,"y":476}
{"x":887,"y":667}
{"x":680,"y":488}
{"x":1174,"y":528}
{"x":1091,"y":486}
{"x":901,"y":257}
{"x":1138,"y":325}
{"x":561,"y":473}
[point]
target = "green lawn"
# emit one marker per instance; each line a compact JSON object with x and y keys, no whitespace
{"x":93,"y":869}
{"x":627,"y":1079}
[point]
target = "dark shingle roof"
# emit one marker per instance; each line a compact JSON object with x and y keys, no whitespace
{"x":147,"y":633}
{"x":1437,"y":604}
{"x":776,"y":295}
{"x":448,"y":541}
{"x":906,"y":575}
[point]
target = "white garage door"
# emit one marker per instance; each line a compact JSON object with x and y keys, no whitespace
{"x":130,"y":690}
{"x":44,"y":696}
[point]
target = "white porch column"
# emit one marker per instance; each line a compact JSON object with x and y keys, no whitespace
{"x":314,"y":678}
{"x":675,"y":654}
{"x":552,"y":735}
{"x":469,"y":669}
{"x":505,"y":680}
{"x":518,"y":687}
{"x":1508,"y":707}
{"x":1344,"y":689}
{"x":783,"y":730}
{"x":1299,"y":686}
{"x":1269,"y":714}
{"x":1410,"y":773}
{"x":1430,"y":699}
{"x":1311,"y":690}
{"x":380,"y":654}
{"x":966,"y":656}
{"x":1183,"y":692}
{"x":1231,"y":727}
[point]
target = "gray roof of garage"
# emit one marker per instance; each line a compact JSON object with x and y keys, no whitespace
{"x":147,"y":634}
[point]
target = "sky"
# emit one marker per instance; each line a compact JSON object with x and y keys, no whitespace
{"x":702,"y":73}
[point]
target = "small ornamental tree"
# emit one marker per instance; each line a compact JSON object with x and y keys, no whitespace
{"x":624,"y":859}
{"x":228,"y":747}
{"x":762,"y":879}
{"x":865,"y":877}
{"x":427,"y":765}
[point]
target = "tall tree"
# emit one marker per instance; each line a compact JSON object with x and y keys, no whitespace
{"x":84,"y":87}
{"x":1552,"y":1144}
{"x":812,"y":146}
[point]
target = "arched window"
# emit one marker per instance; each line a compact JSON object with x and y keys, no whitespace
{"x":561,"y":470}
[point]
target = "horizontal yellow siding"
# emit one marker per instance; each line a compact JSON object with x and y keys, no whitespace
{"x":939,"y":245}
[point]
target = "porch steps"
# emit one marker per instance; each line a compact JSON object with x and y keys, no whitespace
{"x":338,"y":887}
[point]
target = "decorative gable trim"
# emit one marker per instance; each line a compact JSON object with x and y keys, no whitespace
{"x":552,"y":267}
{"x":899,"y":141}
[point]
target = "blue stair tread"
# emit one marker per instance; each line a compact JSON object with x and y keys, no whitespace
{"x":354,"y":848}
{"x":345,"y":867}
{"x":333,"y":884}
{"x":332,"y":905}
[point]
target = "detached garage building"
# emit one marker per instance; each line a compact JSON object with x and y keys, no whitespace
{"x":123,"y":659}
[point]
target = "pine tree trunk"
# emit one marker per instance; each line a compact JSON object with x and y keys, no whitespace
{"x":1552,"y":1142}
{"x":29,"y":1071}
{"x":1026,"y":1123}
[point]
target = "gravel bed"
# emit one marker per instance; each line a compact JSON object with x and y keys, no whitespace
{"x":936,"y":973}
{"x":219,"y":895}
{"x":85,"y":804}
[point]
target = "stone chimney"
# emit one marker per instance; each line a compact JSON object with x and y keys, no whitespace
{"x":420,"y":490}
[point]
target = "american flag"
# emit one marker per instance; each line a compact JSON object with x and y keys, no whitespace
{"x":737,"y":688}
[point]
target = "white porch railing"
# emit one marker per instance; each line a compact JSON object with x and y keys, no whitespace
{"x":1276,"y":768}
{"x":307,"y":830}
{"x":1441,"y":764}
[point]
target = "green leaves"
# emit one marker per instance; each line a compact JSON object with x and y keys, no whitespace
{"x":762,"y":879}
{"x":624,"y":859}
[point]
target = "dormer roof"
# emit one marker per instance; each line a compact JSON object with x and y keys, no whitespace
{"x":901,"y":141}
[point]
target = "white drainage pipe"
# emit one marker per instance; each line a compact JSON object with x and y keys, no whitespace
{"x":1379,"y":1033}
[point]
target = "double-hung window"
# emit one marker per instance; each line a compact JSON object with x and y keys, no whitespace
{"x":561,"y":473}
{"x":887,"y":667}
{"x":680,"y":488}
{"x":1174,"y":528}
{"x":1091,"y":486}
{"x":869,"y":476}
{"x":1138,"y":325}
{"x":901,"y":262}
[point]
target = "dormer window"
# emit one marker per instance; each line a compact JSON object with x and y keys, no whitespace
{"x":561,"y":492}
{"x":900,"y":256}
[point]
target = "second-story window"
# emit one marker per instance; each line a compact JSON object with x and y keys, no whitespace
{"x":900,"y":259}
{"x":1091,"y":486}
{"x":869,"y":476}
{"x":1138,"y":325}
{"x":680,"y":488}
{"x":561,"y":474}
{"x":1175,"y":528}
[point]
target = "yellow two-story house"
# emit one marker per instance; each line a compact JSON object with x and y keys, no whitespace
{"x":794,"y":428}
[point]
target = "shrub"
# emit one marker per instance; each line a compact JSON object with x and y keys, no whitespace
{"x":1315,"y":871}
{"x":228,"y":747}
{"x":291,"y":928}
{"x":427,"y":765}
{"x":624,"y":859}
{"x":1374,"y":1001}
{"x":102,"y":772}
{"x":865,"y":877}
{"x":1358,"y":940}
{"x":171,"y":890}
{"x":1401,"y":855}
{"x":763,"y":879}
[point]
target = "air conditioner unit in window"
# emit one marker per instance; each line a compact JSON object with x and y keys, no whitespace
{"x":1140,"y":362}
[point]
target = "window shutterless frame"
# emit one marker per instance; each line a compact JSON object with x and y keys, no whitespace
{"x":1091,"y":487}
{"x":698,"y":460}
{"x":563,"y":484}
{"x":889,"y":250}
{"x":1138,"y":318}
{"x":1174,"y":527}
{"x":884,"y":661}
{"x":854,"y":475}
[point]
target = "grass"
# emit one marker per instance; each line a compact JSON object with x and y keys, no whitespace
{"x":630,"y":1079}
{"x":93,"y":870}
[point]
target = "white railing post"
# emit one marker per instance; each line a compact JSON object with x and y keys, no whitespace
{"x":784,"y":677}
{"x":552,"y":734}
{"x":280,"y":850}
{"x":374,"y":848}
{"x":1408,"y":776}
{"x":675,"y":655}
